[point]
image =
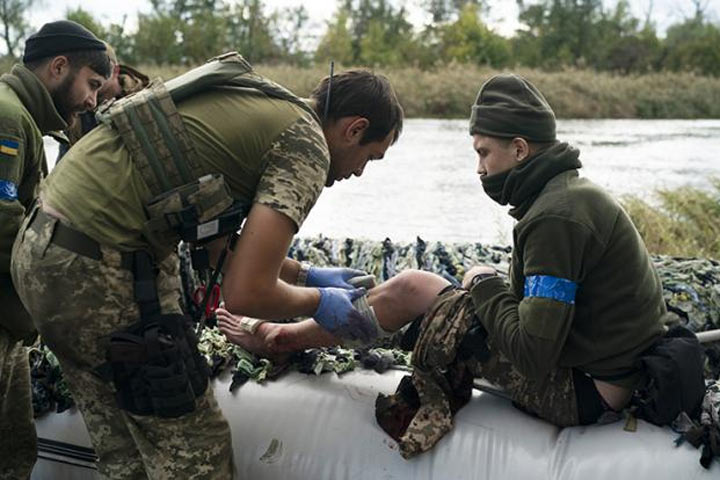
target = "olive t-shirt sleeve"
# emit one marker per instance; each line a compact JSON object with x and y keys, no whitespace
{"x":531,"y":331}
{"x":297,"y":164}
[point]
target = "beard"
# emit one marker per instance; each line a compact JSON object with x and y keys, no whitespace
{"x":63,"y":101}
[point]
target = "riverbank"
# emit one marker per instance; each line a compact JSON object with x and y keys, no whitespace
{"x":682,"y":222}
{"x":449,"y":91}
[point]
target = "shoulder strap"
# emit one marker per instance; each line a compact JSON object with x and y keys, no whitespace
{"x":153,"y":131}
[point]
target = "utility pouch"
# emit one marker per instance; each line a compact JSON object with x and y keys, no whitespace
{"x":190,"y":210}
{"x":675,"y":384}
{"x":156,"y":367}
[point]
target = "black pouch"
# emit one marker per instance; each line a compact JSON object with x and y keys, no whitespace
{"x":156,"y":367}
{"x":675,"y":384}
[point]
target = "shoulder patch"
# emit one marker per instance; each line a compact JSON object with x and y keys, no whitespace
{"x":8,"y":190}
{"x":9,"y":146}
{"x":546,"y":286}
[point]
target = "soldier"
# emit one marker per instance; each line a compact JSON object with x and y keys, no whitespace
{"x":583,"y":302}
{"x":63,"y":68}
{"x":123,"y":81}
{"x":96,"y":263}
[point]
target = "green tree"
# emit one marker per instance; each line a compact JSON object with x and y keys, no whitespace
{"x":87,"y":20}
{"x":336,"y":43}
{"x":122,"y":42}
{"x":468,"y":39}
{"x":565,"y":30}
{"x":14,"y":24}
{"x":693,"y":45}
{"x":157,"y":39}
{"x":250,"y":31}
{"x":289,"y":28}
{"x":443,"y":11}
{"x":625,"y":47}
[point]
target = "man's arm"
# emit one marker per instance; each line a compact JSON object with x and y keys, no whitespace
{"x":531,"y":331}
{"x":252,"y":285}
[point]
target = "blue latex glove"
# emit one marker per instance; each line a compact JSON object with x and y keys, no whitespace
{"x":331,"y":277}
{"x":336,"y":314}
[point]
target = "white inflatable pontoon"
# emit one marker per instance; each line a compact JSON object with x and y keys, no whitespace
{"x":314,"y":428}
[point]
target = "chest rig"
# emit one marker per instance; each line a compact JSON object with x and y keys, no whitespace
{"x":155,"y":364}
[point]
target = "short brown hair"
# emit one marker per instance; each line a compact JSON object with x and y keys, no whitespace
{"x":362,"y":93}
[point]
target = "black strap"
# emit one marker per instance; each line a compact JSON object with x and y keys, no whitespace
{"x":67,"y":238}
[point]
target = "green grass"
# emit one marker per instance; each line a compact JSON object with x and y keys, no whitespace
{"x":448,"y":92}
{"x":685,"y":222}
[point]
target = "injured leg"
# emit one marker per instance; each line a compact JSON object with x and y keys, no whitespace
{"x":396,"y":302}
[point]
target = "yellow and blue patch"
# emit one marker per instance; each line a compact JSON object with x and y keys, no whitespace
{"x":9,"y":147}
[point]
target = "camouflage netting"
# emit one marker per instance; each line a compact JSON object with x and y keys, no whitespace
{"x":692,"y":293}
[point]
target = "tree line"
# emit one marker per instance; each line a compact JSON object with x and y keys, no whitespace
{"x":378,"y":33}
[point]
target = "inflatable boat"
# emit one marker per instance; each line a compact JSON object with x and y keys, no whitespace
{"x":323,"y":427}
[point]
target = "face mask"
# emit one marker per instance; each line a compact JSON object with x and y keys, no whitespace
{"x":494,"y":186}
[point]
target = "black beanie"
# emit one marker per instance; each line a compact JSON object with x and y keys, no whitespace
{"x":60,"y":37}
{"x":510,"y":106}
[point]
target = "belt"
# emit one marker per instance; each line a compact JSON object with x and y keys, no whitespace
{"x":139,"y":262}
{"x":74,"y":240}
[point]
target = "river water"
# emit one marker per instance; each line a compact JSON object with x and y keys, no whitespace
{"x":427,"y":186}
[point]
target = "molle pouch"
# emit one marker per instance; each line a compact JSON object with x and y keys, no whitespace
{"x":169,"y":389}
{"x":126,"y":355}
{"x":191,"y":208}
{"x":196,"y":368}
{"x":156,"y":367}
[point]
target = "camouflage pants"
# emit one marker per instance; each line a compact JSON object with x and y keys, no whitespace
{"x":77,"y":303}
{"x":552,"y":399}
{"x":18,"y":442}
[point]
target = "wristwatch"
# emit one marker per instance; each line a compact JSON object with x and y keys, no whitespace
{"x":480,"y":277}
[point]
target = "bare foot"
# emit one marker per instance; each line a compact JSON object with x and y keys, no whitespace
{"x":261,"y":343}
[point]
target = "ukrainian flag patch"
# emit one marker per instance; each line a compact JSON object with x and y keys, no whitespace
{"x":9,"y":147}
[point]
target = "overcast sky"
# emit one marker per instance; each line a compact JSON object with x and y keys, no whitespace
{"x":503,"y":13}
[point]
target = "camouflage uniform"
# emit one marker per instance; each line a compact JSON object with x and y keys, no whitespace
{"x":99,"y":300}
{"x":268,"y":150}
{"x":27,"y":113}
{"x":420,"y":413}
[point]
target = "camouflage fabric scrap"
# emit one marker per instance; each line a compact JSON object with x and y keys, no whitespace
{"x":442,"y":384}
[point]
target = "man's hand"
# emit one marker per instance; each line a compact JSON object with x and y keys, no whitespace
{"x":337,"y":315}
{"x":476,"y":270}
{"x":332,"y":277}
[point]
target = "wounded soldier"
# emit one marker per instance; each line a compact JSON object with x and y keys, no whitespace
{"x":562,"y":338}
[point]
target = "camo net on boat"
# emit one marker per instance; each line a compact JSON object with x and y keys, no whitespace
{"x":691,"y":291}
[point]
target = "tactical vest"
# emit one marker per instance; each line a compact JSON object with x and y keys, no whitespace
{"x":154,"y":134}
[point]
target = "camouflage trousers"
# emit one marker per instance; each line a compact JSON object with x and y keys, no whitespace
{"x":77,"y":302}
{"x":421,"y":411}
{"x":18,"y":442}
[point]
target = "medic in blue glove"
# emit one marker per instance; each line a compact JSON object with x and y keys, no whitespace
{"x":336,"y":314}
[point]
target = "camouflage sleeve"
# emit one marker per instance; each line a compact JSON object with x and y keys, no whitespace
{"x":12,"y":149}
{"x":296,"y":169}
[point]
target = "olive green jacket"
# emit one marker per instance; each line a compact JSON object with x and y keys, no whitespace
{"x":27,"y":113}
{"x":583,"y":291}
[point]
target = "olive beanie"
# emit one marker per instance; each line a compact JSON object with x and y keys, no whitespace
{"x":510,"y":106}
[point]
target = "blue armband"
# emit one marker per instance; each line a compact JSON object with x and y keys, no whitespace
{"x":8,"y":190}
{"x":546,"y":286}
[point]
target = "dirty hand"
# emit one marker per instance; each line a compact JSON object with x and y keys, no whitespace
{"x":336,"y":314}
{"x":332,"y":277}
